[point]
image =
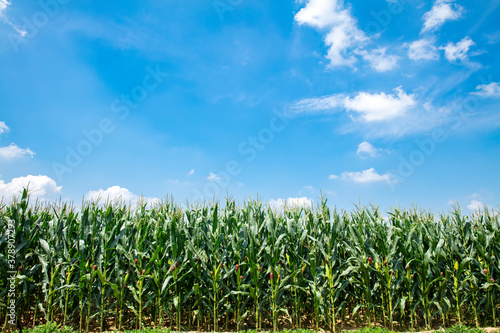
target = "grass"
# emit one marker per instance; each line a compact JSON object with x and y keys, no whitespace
{"x":56,"y":328}
{"x":463,"y":329}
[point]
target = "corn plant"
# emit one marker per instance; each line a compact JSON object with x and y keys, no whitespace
{"x":223,"y":264}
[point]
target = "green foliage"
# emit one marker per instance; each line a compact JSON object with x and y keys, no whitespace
{"x":371,"y":330}
{"x":50,"y":327}
{"x":149,"y":330}
{"x":226,"y":266}
{"x":453,"y":329}
{"x":463,"y":329}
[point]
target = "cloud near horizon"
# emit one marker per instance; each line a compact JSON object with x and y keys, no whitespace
{"x":366,"y":177}
{"x":12,"y":152}
{"x":118,"y":194}
{"x":290,"y":202}
{"x":41,"y":187}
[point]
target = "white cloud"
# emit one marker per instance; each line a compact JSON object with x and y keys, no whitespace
{"x":366,"y":176}
{"x":458,"y":51}
{"x":13,"y":151}
{"x":213,"y":177}
{"x":366,"y":149}
{"x":333,"y":177}
{"x":422,"y":118}
{"x":3,"y":127}
{"x":343,"y":33}
{"x":378,"y":107}
{"x":475,"y":205}
{"x":340,"y":39}
{"x":3,"y":6}
{"x":315,"y":104}
{"x":41,"y":187}
{"x":117,"y":193}
{"x":112,"y":193}
{"x":319,"y":13}
{"x":191,"y":172}
{"x":378,"y":60}
{"x":398,"y":114}
{"x":488,"y":90}
{"x":441,"y":11}
{"x":423,"y":49}
{"x":290,"y":202}
{"x":370,"y":107}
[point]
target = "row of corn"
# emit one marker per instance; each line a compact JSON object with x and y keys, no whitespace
{"x":229,"y":266}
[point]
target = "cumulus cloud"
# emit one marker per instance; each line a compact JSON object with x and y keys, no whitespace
{"x":342,"y":33}
{"x":475,"y":205}
{"x":458,"y":51}
{"x":12,"y":152}
{"x":41,"y":187}
{"x":379,"y":60}
{"x":320,"y":13}
{"x":3,"y":127}
{"x":426,"y":118}
{"x":379,"y":114}
{"x":422,"y":118}
{"x":381,"y":106}
{"x":366,"y":177}
{"x":441,"y":11}
{"x":116,"y":193}
{"x":423,"y":49}
{"x":370,"y":107}
{"x":113,"y":193}
{"x":333,"y":177}
{"x":366,"y":149}
{"x":488,"y":90}
{"x":290,"y":202}
{"x":213,"y":177}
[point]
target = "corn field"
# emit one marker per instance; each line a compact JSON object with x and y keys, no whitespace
{"x":228,"y":266}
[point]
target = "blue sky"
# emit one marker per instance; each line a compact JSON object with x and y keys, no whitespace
{"x":391,"y":102}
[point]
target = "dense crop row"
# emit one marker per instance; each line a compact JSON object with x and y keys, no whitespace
{"x":217,"y":267}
